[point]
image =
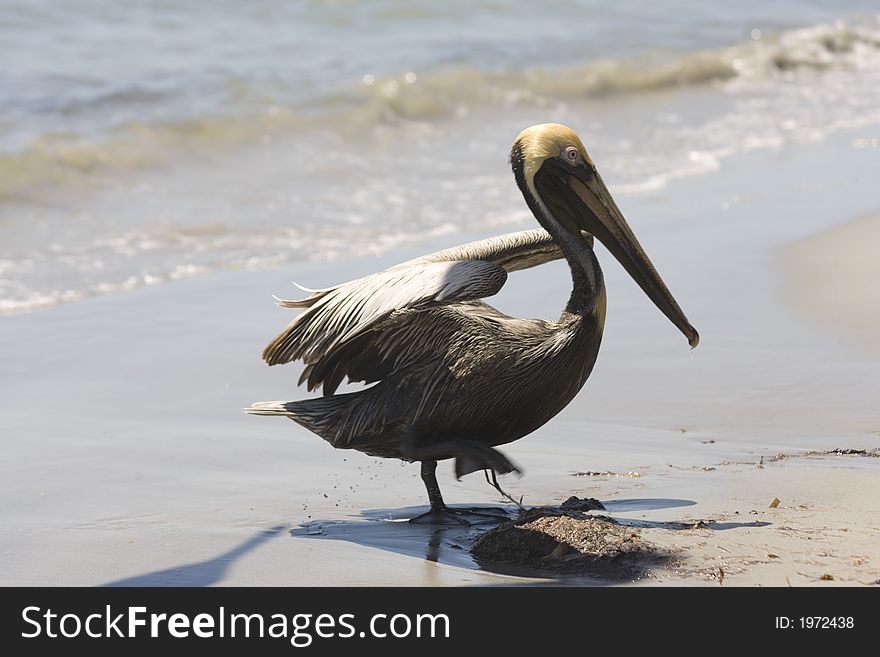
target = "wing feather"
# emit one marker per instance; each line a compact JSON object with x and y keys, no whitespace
{"x":369,"y":327}
{"x":337,"y":314}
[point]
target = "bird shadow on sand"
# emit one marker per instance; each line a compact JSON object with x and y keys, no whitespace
{"x":389,"y":530}
{"x":201,"y":573}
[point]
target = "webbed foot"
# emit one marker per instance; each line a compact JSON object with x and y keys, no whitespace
{"x":447,"y":515}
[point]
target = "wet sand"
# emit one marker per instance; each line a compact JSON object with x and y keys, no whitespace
{"x":126,"y":458}
{"x":832,"y":280}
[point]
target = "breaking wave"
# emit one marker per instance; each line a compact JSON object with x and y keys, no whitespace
{"x":71,"y":159}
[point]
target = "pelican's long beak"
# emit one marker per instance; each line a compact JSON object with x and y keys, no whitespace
{"x":599,"y":215}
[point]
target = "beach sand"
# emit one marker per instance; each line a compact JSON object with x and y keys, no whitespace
{"x":832,"y":280}
{"x":127,"y":460}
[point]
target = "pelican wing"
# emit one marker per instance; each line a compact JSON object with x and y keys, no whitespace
{"x":513,"y":251}
{"x":336,"y":316}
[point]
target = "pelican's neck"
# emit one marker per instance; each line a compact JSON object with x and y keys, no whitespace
{"x":586,"y":276}
{"x":588,"y":287}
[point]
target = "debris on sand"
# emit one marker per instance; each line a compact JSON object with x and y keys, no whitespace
{"x":870,"y":453}
{"x":570,"y":541}
{"x":605,"y":473}
{"x":775,"y":503}
{"x":574,"y":503}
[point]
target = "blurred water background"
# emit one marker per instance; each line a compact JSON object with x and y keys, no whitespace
{"x":145,"y":142}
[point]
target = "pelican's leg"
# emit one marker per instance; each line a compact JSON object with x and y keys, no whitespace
{"x":440,"y":514}
{"x":475,"y":452}
{"x":427,"y":454}
{"x":429,"y":476}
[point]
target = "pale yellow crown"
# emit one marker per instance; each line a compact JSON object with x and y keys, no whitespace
{"x":544,"y":141}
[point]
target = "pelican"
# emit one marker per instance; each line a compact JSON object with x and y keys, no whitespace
{"x":454,"y":377}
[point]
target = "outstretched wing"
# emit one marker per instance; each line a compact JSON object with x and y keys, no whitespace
{"x":339,"y":318}
{"x":512,"y":251}
{"x":339,"y":313}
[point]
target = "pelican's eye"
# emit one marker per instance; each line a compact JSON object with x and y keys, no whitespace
{"x":572,"y":154}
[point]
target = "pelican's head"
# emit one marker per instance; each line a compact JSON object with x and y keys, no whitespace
{"x":564,"y":190}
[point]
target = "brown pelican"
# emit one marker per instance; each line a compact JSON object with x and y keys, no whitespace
{"x":455,"y":377}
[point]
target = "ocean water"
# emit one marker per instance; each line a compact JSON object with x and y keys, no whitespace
{"x":145,"y":142}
